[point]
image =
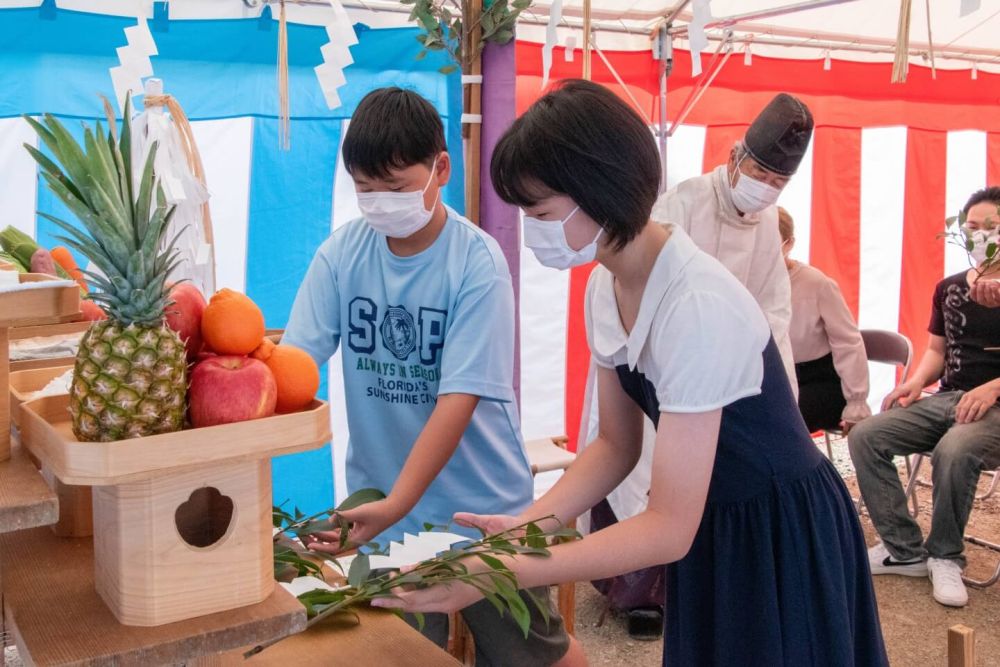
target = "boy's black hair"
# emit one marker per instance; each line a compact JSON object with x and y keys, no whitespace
{"x":581,"y":140}
{"x":391,"y":129}
{"x":991,"y":194}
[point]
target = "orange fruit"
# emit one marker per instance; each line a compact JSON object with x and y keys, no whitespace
{"x":296,"y":375}
{"x":232,"y":323}
{"x":263,"y":350}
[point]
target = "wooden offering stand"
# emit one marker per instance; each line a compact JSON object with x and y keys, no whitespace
{"x":29,"y":307}
{"x":182,"y":521}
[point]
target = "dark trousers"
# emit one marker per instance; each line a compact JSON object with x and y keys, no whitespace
{"x":821,"y":399}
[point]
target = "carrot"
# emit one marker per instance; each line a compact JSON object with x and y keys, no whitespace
{"x":64,"y":258}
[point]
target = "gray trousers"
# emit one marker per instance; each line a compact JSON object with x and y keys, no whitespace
{"x":959,"y":453}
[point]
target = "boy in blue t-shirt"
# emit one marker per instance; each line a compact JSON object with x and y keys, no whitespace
{"x":423,"y":303}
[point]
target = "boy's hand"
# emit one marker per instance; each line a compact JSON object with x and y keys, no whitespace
{"x":366,"y":521}
{"x":986,"y":292}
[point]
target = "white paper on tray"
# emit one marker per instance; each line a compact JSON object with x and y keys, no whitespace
{"x":301,"y":585}
{"x":41,"y":284}
{"x":413,"y":549}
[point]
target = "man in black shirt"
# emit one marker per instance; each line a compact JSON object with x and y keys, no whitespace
{"x":959,"y":425}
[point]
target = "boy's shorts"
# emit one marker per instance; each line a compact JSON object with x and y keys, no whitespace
{"x":499,"y":641}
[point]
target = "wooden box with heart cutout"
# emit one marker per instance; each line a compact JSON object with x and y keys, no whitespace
{"x":182,"y":521}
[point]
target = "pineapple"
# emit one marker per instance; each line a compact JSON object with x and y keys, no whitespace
{"x":130,"y":374}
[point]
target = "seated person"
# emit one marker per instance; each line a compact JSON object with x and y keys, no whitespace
{"x":959,"y":425}
{"x":830,"y":361}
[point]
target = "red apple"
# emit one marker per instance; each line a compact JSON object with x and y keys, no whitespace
{"x":184,"y":316}
{"x":228,"y":389}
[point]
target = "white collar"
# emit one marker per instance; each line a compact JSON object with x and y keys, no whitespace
{"x":609,"y":335}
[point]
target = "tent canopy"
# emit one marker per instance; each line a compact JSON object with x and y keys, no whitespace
{"x":862,"y":30}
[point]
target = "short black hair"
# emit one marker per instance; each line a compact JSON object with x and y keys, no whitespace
{"x":581,"y":140}
{"x":391,"y":129}
{"x":990,"y":194}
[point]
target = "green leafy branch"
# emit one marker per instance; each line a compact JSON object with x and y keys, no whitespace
{"x":497,"y":583}
{"x":291,"y":559}
{"x":445,"y":27}
{"x":957,"y":234}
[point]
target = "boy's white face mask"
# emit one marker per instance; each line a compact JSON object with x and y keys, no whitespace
{"x":750,"y":195}
{"x":547,"y":240}
{"x":398,"y":214}
{"x":982,"y":239}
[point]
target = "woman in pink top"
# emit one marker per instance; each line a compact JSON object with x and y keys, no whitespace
{"x":830,"y":359}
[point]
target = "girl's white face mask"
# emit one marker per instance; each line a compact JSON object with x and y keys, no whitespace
{"x":982,"y":239}
{"x":547,"y":240}
{"x":398,"y":214}
{"x":750,"y":195}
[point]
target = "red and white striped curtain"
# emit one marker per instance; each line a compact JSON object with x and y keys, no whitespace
{"x":886,"y":166}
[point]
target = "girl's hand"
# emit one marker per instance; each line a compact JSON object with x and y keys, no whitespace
{"x":489,"y":523}
{"x":444,"y":598}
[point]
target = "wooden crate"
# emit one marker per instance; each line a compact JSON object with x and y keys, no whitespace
{"x":76,"y":516}
{"x":61,"y":302}
{"x":182,"y":521}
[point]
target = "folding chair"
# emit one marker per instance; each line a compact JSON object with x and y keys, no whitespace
{"x":881,"y":347}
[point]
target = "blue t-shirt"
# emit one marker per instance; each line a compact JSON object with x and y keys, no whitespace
{"x":439,"y":322}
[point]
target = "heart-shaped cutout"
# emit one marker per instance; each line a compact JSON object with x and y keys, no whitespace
{"x":203,"y":519}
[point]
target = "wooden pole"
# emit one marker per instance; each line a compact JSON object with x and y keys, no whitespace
{"x":473,"y":145}
{"x":586,"y":40}
{"x":961,"y":646}
{"x":4,"y":393}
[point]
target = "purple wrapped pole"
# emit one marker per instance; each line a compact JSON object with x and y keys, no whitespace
{"x":498,"y":218}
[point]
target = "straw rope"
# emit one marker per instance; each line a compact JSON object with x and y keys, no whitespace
{"x":284,"y":114}
{"x":902,"y":60}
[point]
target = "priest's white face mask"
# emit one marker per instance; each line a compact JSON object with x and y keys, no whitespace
{"x":752,"y":187}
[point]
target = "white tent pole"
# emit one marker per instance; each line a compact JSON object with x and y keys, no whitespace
{"x":663,"y":51}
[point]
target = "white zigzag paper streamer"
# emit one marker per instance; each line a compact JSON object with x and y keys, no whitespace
{"x":135,"y":63}
{"x":551,"y":36}
{"x":336,"y":54}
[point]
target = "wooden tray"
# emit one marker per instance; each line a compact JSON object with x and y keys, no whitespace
{"x":23,"y":384}
{"x":47,"y":433}
{"x":21,"y":308}
{"x":25,"y":500}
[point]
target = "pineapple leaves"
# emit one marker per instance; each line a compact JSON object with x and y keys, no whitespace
{"x":124,"y":215}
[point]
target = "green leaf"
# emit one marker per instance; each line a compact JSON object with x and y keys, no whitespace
{"x":447,"y":69}
{"x":421,"y":621}
{"x":492,"y":561}
{"x":540,"y":605}
{"x":359,"y":571}
{"x":360,"y":497}
{"x":421,"y":55}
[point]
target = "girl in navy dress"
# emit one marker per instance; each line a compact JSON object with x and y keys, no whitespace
{"x":766,"y":562}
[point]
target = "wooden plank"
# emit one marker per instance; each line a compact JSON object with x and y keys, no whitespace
{"x":377,"y":637}
{"x":41,"y":331}
{"x":23,"y":385}
{"x":47,"y":432}
{"x":24,"y":307}
{"x":26,"y":501}
{"x":471,"y":23}
{"x":57,"y":618}
{"x":961,"y":646}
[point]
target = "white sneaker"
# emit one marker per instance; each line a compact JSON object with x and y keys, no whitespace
{"x":946,"y":575}
{"x":881,"y":562}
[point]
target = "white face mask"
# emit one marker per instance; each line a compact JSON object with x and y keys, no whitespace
{"x":547,"y":239}
{"x":750,"y":195}
{"x":398,"y":214}
{"x":982,"y":240}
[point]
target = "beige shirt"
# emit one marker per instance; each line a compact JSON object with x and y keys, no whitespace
{"x":748,"y":245}
{"x":821,"y":324}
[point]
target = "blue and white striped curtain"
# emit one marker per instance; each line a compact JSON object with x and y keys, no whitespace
{"x":271,"y":209}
